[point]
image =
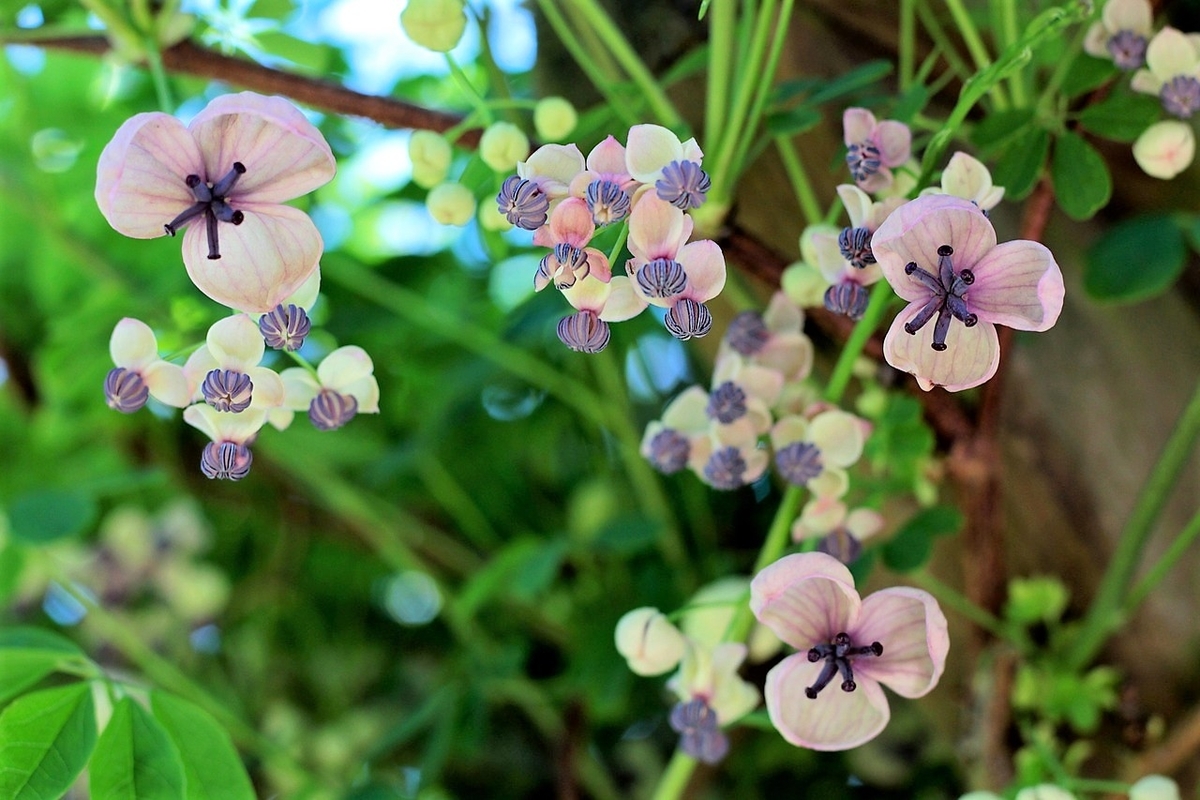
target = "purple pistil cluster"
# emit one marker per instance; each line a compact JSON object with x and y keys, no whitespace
{"x":607,"y":201}
{"x":683,"y":184}
{"x":799,"y":462}
{"x":285,"y":327}
{"x":211,"y":202}
{"x":227,"y":390}
{"x":838,"y":656}
{"x":330,"y":410}
{"x":125,"y":391}
{"x":726,"y":468}
{"x":584,"y":332}
{"x":948,"y":301}
{"x":1128,"y":50}
{"x":687,"y":318}
{"x":226,"y":461}
{"x":848,"y":299}
{"x":1180,"y":96}
{"x":523,"y":203}
{"x":855,"y":244}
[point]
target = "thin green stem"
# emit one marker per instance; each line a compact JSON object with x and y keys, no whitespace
{"x":468,"y":89}
{"x":616,"y":249}
{"x":1046,"y":99}
{"x":1166,"y":561}
{"x":955,"y":600}
{"x":976,"y":47}
{"x":722,"y":20}
{"x":940,"y":38}
{"x":294,"y":356}
{"x":908,"y":43}
{"x":1009,"y":32}
{"x":1104,"y":615}
{"x":158,"y":74}
{"x":798,"y":176}
{"x":839,"y":379}
{"x":675,"y":777}
{"x":456,"y":500}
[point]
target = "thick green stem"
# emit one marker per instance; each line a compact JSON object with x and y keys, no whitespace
{"x":721,"y":23}
{"x":1104,"y":615}
{"x":1009,"y":32}
{"x":1166,"y":561}
{"x":881,"y":295}
{"x":908,"y":43}
{"x":798,"y":176}
{"x":675,"y":777}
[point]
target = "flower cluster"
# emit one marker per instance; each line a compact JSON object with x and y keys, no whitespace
{"x":222,"y":180}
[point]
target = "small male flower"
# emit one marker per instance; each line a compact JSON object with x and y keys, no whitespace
{"x":1165,"y":149}
{"x":344,"y":386}
{"x":708,"y":684}
{"x":598,"y":303}
{"x":285,"y":327}
{"x":227,"y":456}
{"x":225,"y":177}
{"x":527,"y":198}
{"x":710,"y":610}
{"x":1122,"y":33}
{"x":896,"y":637}
{"x":968,"y":177}
{"x":649,"y":642}
{"x":774,"y":340}
{"x":656,"y":157}
{"x":502,"y":145}
{"x":606,"y":184}
{"x":554,"y":118}
{"x":940,"y":254}
{"x":845,"y":259}
{"x":1154,"y":787}
{"x":451,"y":203}
{"x":841,"y":531}
{"x":873,"y":148}
{"x":227,"y":370}
{"x":567,"y":234}
{"x":1172,"y":72}
{"x":139,"y":372}
{"x":816,"y":453}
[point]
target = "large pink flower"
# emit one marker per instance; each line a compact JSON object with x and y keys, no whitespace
{"x":225,"y":177}
{"x":939,"y":253}
{"x":896,"y":637}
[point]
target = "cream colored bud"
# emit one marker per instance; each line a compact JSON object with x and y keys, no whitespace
{"x":804,"y":285}
{"x":435,"y":24}
{"x":451,"y":204}
{"x":554,"y":119}
{"x":490,"y":218}
{"x":1154,"y":787}
{"x":649,"y":642}
{"x":1045,"y":791}
{"x":430,"y":154}
{"x":1165,"y":149}
{"x":194,"y":591}
{"x":502,"y":146}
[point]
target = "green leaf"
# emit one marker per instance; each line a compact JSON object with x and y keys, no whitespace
{"x":995,"y":129}
{"x":211,"y":763}
{"x":1087,"y":73}
{"x":135,"y":759}
{"x":912,"y":544}
{"x":12,"y":562}
{"x":29,"y":654}
{"x":1121,"y":117}
{"x":51,"y":514}
{"x":852,"y":81}
{"x":45,"y":739}
{"x":1135,"y":259}
{"x":522,"y":569}
{"x":793,"y":122}
{"x":628,"y":534}
{"x":1082,"y":184}
{"x":1021,"y":164}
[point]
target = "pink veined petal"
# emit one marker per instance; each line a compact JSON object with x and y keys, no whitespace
{"x":268,"y":388}
{"x":880,"y":181}
{"x":299,"y":388}
{"x":1171,"y":53}
{"x":588,"y":293}
{"x":284,"y":154}
{"x":132,"y":344}
{"x":656,"y":229}
{"x":344,"y":366}
{"x":857,"y":125}
{"x":167,"y":383}
{"x":912,"y":629}
{"x":623,"y":302}
{"x":833,"y":720}
{"x":1017,"y":284}
{"x":806,"y":598}
{"x":263,"y":260}
{"x":686,"y":413}
{"x":571,"y":223}
{"x":140,"y":176}
{"x":915,"y":231}
{"x":856,"y":202}
{"x":704,"y":264}
{"x":691,"y":151}
{"x":649,"y":149}
{"x":236,"y":343}
{"x":970,"y":358}
{"x":607,"y":158}
{"x":366,"y":392}
{"x":1128,"y":15}
{"x":894,"y":141}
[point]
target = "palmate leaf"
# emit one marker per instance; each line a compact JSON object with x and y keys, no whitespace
{"x":45,"y":739}
{"x":135,"y":759}
{"x":210,"y":762}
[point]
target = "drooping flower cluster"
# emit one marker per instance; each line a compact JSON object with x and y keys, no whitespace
{"x":222,"y":180}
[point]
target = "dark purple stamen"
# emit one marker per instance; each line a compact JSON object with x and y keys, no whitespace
{"x":662,"y":277}
{"x":799,"y":462}
{"x":227,"y":390}
{"x":687,"y":318}
{"x":855,"y":244}
{"x":523,"y":203}
{"x":284,"y":327}
{"x":669,"y":451}
{"x":842,"y":545}
{"x":607,"y":201}
{"x":584,"y":332}
{"x":226,"y":460}
{"x":727,"y":403}
{"x":566,"y":264}
{"x":839,"y":656}
{"x":847,"y":298}
{"x":700,"y":734}
{"x":330,"y":410}
{"x":725,"y":468}
{"x":948,"y":300}
{"x":863,"y":160}
{"x":748,"y":333}
{"x":212,"y":203}
{"x":1181,"y":96}
{"x":1128,"y":50}
{"x":683,"y":184}
{"x":125,"y":390}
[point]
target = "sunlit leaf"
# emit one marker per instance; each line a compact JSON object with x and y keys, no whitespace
{"x":135,"y":759}
{"x":45,"y":739}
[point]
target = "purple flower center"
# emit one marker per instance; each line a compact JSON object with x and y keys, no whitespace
{"x":227,"y":390}
{"x":847,"y":298}
{"x":565,"y":264}
{"x":669,"y":451}
{"x":330,"y":410}
{"x":584,"y":332}
{"x":1180,"y":96}
{"x":683,"y":184}
{"x":1128,"y":49}
{"x":523,"y":203}
{"x":687,"y":318}
{"x":799,"y":462}
{"x":748,"y":333}
{"x":212,"y":201}
{"x":228,"y":461}
{"x":607,"y":201}
{"x":855,"y":244}
{"x":947,"y":300}
{"x":725,"y":468}
{"x":842,"y":545}
{"x":125,"y":390}
{"x":727,"y":403}
{"x":662,"y":277}
{"x":863,"y":160}
{"x":839,"y":656}
{"x":284,"y":327}
{"x":700,"y":735}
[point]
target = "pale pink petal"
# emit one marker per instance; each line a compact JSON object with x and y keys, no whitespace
{"x":1128,"y":15}
{"x":782,"y":315}
{"x":649,"y":149}
{"x":828,"y":256}
{"x":140,"y":177}
{"x":915,"y":231}
{"x":284,"y":154}
{"x":268,"y":388}
{"x":863,"y":523}
{"x":879,"y":181}
{"x":789,"y":429}
{"x":306,"y":295}
{"x":704,"y":264}
{"x":833,"y":720}
{"x":1165,"y":149}
{"x":344,"y":366}
{"x":790,"y":354}
{"x":832,"y":483}
{"x":691,"y":151}
{"x":225,"y":427}
{"x":623,"y":303}
{"x":552,"y":166}
{"x":263,"y":260}
{"x":1171,"y":53}
{"x":280,"y":418}
{"x":764,"y":383}
{"x":894,"y":141}
{"x":197,"y":366}
{"x":571,"y":223}
{"x":132,"y":344}
{"x":1017,"y":284}
{"x":857,"y":125}
{"x":299,"y":388}
{"x":656,"y":229}
{"x":806,"y":598}
{"x":686,"y":413}
{"x":203,"y":418}
{"x":167,"y":383}
{"x":757,"y":462}
{"x":970,"y":358}
{"x":598,"y":265}
{"x":966,"y":177}
{"x":912,"y":629}
{"x":588,"y":293}
{"x":607,"y":158}
{"x":236,"y":343}
{"x":366,"y":392}
{"x":857,"y":203}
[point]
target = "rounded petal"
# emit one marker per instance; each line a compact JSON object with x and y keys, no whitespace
{"x":366,"y":392}
{"x":571,"y":223}
{"x":198,"y":364}
{"x":299,"y":388}
{"x":857,"y":203}
{"x":912,"y":629}
{"x":344,"y":366}
{"x":589,"y":293}
{"x":894,"y":141}
{"x":284,"y":154}
{"x":269,"y":391}
{"x":648,"y":641}
{"x":967,"y":177}
{"x":656,"y":229}
{"x":915,"y":231}
{"x":687,"y":412}
{"x":132,"y":344}
{"x":225,"y":427}
{"x":833,"y":720}
{"x":1095,"y":43}
{"x":1146,"y":82}
{"x":1165,"y":149}
{"x":649,"y":149}
{"x":236,"y":343}
{"x":839,"y":436}
{"x":828,"y":256}
{"x":552,"y":166}
{"x":263,"y":260}
{"x":789,"y":429}
{"x":1171,"y":53}
{"x":863,"y":523}
{"x":1128,"y":15}
{"x":704,"y":264}
{"x":140,"y":176}
{"x":806,"y":598}
{"x":1017,"y":284}
{"x":167,"y":383}
{"x":857,"y":125}
{"x":623,"y":302}
{"x":607,"y":158}
{"x":790,"y":354}
{"x":832,"y":483}
{"x":971,"y":356}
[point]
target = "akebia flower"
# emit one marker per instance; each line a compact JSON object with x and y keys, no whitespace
{"x":227,"y":456}
{"x":1122,"y":33}
{"x":873,"y":148}
{"x":939,"y":253}
{"x":226,"y":369}
{"x":223,"y":180}
{"x":139,"y":372}
{"x":656,"y":157}
{"x":828,"y":695}
{"x":1172,"y":72}
{"x":343,"y":386}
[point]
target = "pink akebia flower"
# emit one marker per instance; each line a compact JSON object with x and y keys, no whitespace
{"x":225,"y":176}
{"x":542,"y":180}
{"x":140,"y":372}
{"x":655,"y":157}
{"x":597,"y":303}
{"x":567,"y":234}
{"x":939,"y":253}
{"x":874,"y":148}
{"x":845,"y":258}
{"x":606,"y":184}
{"x":896,"y":637}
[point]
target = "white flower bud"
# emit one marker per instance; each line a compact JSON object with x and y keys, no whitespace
{"x":502,"y":146}
{"x":1044,"y":791}
{"x":430,"y":154}
{"x":435,"y":24}
{"x":1165,"y":149}
{"x":1154,"y":787}
{"x":554,"y":118}
{"x":649,"y":642}
{"x":451,"y":204}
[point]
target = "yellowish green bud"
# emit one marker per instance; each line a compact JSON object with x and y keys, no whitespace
{"x":430,"y":154}
{"x":451,"y":204}
{"x":649,"y":642}
{"x":1154,"y":787}
{"x":502,"y":146}
{"x":435,"y":24}
{"x":554,"y":119}
{"x":490,"y":218}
